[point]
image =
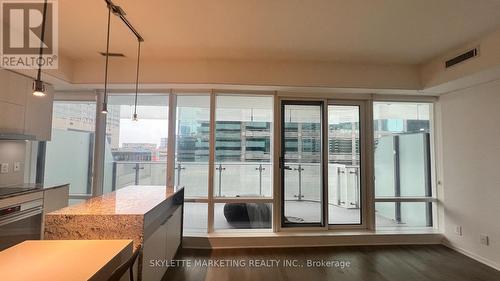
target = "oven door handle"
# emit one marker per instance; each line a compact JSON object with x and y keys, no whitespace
{"x":21,"y":215}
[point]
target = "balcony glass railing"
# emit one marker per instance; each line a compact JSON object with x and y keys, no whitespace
{"x":236,"y":179}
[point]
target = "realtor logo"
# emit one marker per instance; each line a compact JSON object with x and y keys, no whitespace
{"x":21,"y":35}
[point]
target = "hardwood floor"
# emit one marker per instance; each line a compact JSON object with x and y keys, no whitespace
{"x":367,"y":263}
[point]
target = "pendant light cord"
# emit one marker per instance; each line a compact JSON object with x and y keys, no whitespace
{"x":39,"y":74}
{"x":107,"y":60}
{"x":137,"y":78}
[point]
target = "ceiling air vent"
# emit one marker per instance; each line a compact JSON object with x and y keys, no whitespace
{"x":462,"y":57}
{"x":112,"y":54}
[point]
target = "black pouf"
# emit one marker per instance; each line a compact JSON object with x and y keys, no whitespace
{"x":240,"y":215}
{"x":237,"y":215}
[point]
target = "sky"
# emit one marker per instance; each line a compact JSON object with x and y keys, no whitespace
{"x":143,"y":131}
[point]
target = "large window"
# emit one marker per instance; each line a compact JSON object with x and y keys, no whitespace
{"x":242,"y":167}
{"x":243,"y":146}
{"x":403,"y":177}
{"x":136,"y":151}
{"x":243,"y":161}
{"x":69,"y":152}
{"x":191,"y":158}
{"x":224,"y":158}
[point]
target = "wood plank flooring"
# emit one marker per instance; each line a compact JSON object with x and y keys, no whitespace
{"x":367,"y":263}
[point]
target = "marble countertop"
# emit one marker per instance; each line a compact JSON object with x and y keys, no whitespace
{"x":130,"y":200}
{"x":63,"y":259}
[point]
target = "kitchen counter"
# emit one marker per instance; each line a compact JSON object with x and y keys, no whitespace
{"x":30,"y":188}
{"x":151,"y":216}
{"x":130,"y":200}
{"x":63,"y":260}
{"x":123,"y":214}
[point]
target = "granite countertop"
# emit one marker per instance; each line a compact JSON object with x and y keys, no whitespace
{"x":30,"y":188}
{"x":130,"y":200}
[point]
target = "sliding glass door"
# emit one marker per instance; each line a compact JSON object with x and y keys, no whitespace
{"x":301,"y":164}
{"x":344,"y":164}
{"x":321,"y":163}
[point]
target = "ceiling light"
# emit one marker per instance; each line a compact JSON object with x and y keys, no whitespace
{"x":104,"y":108}
{"x":38,"y":88}
{"x":119,"y":12}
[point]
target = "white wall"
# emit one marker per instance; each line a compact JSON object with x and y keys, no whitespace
{"x":260,"y":72}
{"x":11,"y":152}
{"x":471,"y":169}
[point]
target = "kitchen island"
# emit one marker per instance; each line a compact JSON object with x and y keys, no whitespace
{"x":151,"y":216}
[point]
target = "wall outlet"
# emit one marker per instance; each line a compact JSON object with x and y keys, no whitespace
{"x":458,"y":230}
{"x":4,"y":168}
{"x":17,"y":166}
{"x":484,"y":239}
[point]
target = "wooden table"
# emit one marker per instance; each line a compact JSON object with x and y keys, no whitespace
{"x":59,"y":260}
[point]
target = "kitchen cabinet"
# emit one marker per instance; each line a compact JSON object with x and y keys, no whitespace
{"x":174,"y":233}
{"x":162,"y":245}
{"x":155,"y":249}
{"x":20,"y":111}
{"x":55,"y":198}
{"x":14,"y":87}
{"x":11,"y":118}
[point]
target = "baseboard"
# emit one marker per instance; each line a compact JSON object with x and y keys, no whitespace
{"x":308,"y":240}
{"x":471,"y":255}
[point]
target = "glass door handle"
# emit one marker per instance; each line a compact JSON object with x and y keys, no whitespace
{"x":282,"y":164}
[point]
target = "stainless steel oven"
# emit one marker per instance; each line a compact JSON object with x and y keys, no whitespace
{"x":20,"y":221}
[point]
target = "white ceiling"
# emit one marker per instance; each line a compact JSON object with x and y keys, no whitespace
{"x":361,"y":31}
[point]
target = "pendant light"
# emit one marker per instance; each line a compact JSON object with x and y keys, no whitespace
{"x":105,"y":102}
{"x":38,"y":86}
{"x":134,"y":117}
{"x":120,"y":13}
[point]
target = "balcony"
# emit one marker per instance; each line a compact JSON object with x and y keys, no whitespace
{"x":240,"y":180}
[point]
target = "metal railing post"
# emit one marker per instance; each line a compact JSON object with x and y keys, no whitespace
{"x":260,"y":169}
{"x":220,"y":169}
{"x":179,"y":168}
{"x":113,"y":179}
{"x":137,"y":168}
{"x":342,"y":196}
{"x":356,"y":187}
{"x":299,"y":169}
